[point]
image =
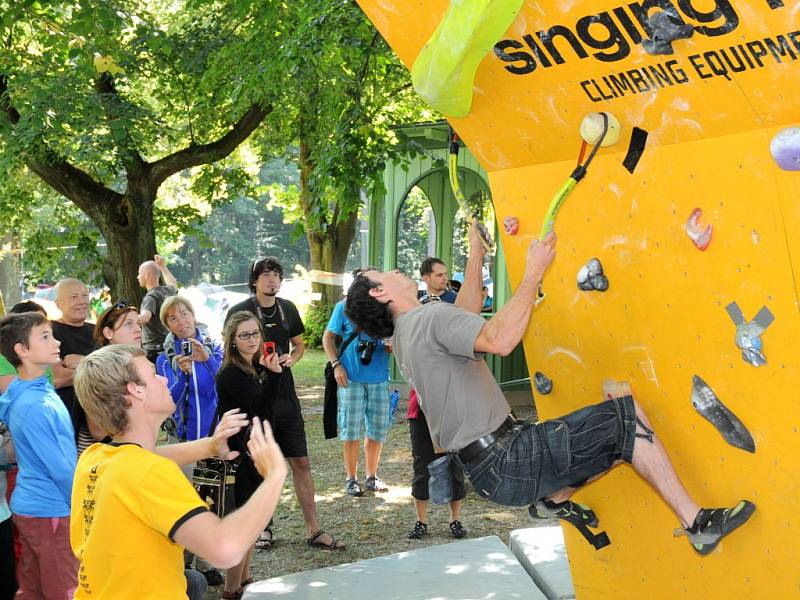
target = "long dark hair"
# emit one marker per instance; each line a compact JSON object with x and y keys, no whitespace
{"x":367,"y":313}
{"x":232,"y":355}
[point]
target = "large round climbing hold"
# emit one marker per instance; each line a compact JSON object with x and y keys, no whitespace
{"x":785,"y":149}
{"x":592,"y":129}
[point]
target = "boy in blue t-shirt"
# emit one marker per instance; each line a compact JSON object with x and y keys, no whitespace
{"x":362,"y":376}
{"x":44,"y":442}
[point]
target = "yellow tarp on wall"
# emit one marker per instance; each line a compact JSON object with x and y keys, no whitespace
{"x":710,"y":109}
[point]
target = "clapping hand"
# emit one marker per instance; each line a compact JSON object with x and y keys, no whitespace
{"x":231,"y":423}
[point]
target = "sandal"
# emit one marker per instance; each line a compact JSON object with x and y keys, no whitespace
{"x":419,"y":530}
{"x":314,"y":542}
{"x":235,"y":595}
{"x":245,"y":583}
{"x":457,"y":530}
{"x":265,"y":541}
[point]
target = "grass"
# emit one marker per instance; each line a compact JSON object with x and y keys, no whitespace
{"x":373,"y":525}
{"x":309,"y":371}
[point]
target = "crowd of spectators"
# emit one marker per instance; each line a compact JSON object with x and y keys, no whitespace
{"x":79,"y":405}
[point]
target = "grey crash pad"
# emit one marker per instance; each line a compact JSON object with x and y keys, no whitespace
{"x":477,"y":569}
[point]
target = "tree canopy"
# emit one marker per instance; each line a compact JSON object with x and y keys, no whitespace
{"x":103,"y":102}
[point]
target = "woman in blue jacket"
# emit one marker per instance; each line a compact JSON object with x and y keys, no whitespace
{"x":190,"y":362}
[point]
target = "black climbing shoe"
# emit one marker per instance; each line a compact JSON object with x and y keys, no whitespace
{"x":712,"y":524}
{"x":579,"y":515}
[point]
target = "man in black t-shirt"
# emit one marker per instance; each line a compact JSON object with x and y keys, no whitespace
{"x":74,"y":333}
{"x":283,"y":326}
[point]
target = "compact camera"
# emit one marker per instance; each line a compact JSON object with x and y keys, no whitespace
{"x":187,"y":348}
{"x":365,"y":350}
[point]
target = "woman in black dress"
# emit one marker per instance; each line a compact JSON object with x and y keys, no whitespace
{"x":247,"y":381}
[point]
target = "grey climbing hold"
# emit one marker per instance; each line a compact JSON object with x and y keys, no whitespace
{"x":542,"y":383}
{"x":591,"y":277}
{"x":664,"y":29}
{"x":748,"y":334}
{"x":706,"y":403}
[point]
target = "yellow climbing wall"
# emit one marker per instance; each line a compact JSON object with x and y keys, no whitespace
{"x":663,"y":318}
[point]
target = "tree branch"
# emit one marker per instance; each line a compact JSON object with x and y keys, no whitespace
{"x":66,"y":179}
{"x":196,"y":155}
{"x":5,"y":102}
{"x":111,"y":101}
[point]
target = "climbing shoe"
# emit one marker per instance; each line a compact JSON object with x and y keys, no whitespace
{"x":569,"y":511}
{"x":579,"y":515}
{"x":712,"y":524}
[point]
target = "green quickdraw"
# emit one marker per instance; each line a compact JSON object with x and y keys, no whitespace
{"x":577,"y":174}
{"x":452,"y":164}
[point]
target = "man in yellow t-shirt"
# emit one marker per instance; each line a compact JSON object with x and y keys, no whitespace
{"x":133,"y":511}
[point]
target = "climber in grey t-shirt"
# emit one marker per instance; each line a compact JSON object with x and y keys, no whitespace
{"x":439,"y":349}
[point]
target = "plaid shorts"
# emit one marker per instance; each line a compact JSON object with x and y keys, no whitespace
{"x":363,"y":405}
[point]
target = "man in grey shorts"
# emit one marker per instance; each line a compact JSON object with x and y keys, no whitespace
{"x":439,"y":347}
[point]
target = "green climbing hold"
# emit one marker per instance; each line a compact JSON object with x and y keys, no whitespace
{"x":444,"y":72}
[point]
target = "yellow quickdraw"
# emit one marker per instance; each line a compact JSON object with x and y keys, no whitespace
{"x":452,"y":164}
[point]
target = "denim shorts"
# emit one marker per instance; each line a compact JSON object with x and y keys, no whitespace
{"x":537,"y":459}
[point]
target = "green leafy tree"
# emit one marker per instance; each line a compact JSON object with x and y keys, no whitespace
{"x":345,"y":95}
{"x":105,"y":101}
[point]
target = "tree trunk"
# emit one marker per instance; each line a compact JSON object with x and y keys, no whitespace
{"x":128,"y":229}
{"x":9,"y":270}
{"x":329,"y":244}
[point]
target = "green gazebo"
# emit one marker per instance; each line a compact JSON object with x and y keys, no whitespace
{"x":425,"y":179}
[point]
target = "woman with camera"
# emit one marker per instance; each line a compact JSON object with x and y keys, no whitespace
{"x":190,"y":362}
{"x":247,"y":381}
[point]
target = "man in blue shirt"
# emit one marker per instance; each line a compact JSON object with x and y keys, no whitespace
{"x":362,"y":375}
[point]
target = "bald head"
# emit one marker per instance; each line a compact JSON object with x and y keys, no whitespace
{"x":72,"y":299}
{"x":148,"y":274}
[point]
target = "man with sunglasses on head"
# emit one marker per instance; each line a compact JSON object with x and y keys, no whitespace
{"x":283,"y":327}
{"x":153,"y":330}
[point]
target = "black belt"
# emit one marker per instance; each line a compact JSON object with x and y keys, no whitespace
{"x":474,"y":449}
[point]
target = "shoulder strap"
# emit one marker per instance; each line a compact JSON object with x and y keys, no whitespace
{"x":346,"y":342}
{"x":284,"y":322}
{"x":214,"y":421}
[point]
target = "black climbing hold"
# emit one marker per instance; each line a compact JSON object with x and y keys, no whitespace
{"x":635,"y":149}
{"x":542,"y":383}
{"x":591,"y":277}
{"x":706,"y":403}
{"x":665,"y":29}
